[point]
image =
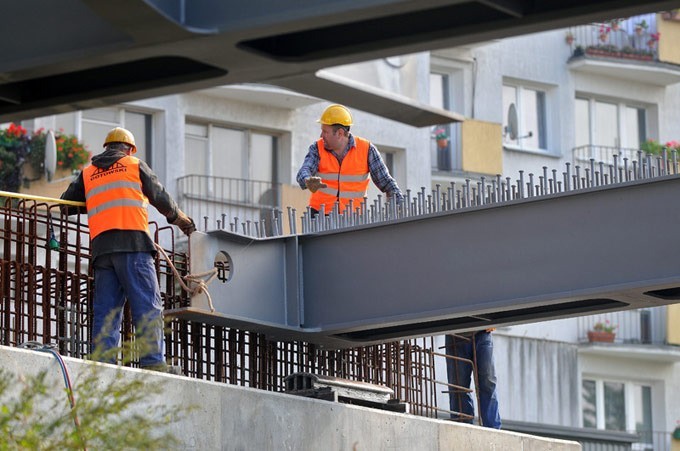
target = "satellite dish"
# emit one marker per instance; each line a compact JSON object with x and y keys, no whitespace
{"x":50,"y":155}
{"x":511,"y":129}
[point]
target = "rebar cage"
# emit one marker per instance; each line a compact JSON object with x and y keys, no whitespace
{"x":46,"y":289}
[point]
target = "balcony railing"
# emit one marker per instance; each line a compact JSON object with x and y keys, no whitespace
{"x":634,"y":38}
{"x":222,"y":199}
{"x":618,"y":163}
{"x":642,"y":326}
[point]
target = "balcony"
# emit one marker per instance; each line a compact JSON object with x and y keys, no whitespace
{"x":596,"y":165}
{"x":214,"y":202}
{"x":472,"y":146}
{"x":623,"y":48}
{"x":635,"y":38}
{"x":641,"y":326}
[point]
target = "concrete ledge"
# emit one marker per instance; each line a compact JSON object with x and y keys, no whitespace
{"x":228,"y":417}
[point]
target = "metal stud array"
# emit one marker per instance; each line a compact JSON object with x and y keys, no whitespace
{"x":470,"y":194}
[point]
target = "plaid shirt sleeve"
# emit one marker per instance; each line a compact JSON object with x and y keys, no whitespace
{"x":310,"y":166}
{"x":381,"y":175}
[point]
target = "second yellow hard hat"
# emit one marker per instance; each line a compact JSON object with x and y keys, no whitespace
{"x":336,"y":114}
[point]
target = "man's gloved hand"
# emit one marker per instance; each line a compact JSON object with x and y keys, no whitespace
{"x":314,"y":183}
{"x":185,"y":223}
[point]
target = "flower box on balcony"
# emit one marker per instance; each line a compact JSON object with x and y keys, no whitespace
{"x":601,"y":336}
{"x":612,"y":53}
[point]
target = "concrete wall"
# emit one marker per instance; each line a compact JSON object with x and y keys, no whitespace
{"x":538,"y":380}
{"x":237,"y":418}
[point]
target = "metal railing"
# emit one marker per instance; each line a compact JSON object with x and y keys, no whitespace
{"x":653,"y":441}
{"x":642,"y":326}
{"x":224,"y":198}
{"x":623,"y":164}
{"x":583,"y":154}
{"x":634,"y":38}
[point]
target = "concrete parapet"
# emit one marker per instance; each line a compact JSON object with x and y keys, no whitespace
{"x":227,"y":417}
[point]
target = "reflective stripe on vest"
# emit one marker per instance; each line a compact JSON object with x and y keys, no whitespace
{"x":346,"y":181}
{"x":114,"y":197}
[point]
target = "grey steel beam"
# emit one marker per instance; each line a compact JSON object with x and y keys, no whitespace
{"x":580,"y":252}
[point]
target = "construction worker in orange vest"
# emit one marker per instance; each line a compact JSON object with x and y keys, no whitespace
{"x":117,"y":189}
{"x":337,"y":166}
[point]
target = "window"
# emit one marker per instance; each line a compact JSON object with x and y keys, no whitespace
{"x":220,"y":151}
{"x":617,"y":406}
{"x":525,"y":128}
{"x":441,"y":156}
{"x":609,"y":124}
{"x":231,"y":164}
{"x":96,"y":123}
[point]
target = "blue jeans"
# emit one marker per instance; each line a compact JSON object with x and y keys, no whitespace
{"x":130,"y":275}
{"x":460,"y":373}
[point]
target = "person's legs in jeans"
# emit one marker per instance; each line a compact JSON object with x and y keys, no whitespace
{"x":107,"y":309}
{"x":459,"y":373}
{"x":486,"y":375}
{"x":137,"y":275}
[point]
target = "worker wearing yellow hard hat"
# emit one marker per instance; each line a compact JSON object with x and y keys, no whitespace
{"x":337,"y":165}
{"x":116,"y":189}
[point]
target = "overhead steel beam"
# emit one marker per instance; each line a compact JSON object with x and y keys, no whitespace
{"x":514,"y":8}
{"x":83,"y":44}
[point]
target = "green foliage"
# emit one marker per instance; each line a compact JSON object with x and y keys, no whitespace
{"x":17,"y":147}
{"x":36,"y":156}
{"x":440,"y":133}
{"x":653,"y":147}
{"x":604,"y":327}
{"x":111,"y":415}
{"x":71,"y":153}
{"x":13,"y":149}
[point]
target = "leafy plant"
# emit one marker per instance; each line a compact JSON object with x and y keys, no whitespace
{"x":104,"y":417}
{"x":641,"y":27}
{"x":440,"y":133}
{"x":604,"y":327}
{"x":71,"y":153}
{"x":651,"y":147}
{"x":13,"y":149}
{"x":615,"y":24}
{"x":99,"y":411}
{"x":654,"y":147}
{"x":653,"y":39}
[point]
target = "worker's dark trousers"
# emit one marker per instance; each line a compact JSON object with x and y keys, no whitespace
{"x":460,"y":373}
{"x":130,"y":275}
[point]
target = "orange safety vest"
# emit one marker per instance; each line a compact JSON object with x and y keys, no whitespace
{"x":345,"y":181}
{"x":114,"y":197}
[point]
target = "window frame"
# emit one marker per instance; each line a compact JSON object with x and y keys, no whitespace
{"x":543,"y":117}
{"x":622,"y":105}
{"x":246,"y":150}
{"x":629,"y":402}
{"x":120,"y":121}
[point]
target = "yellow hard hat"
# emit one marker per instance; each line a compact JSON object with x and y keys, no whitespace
{"x":336,"y":114}
{"x":120,"y":135}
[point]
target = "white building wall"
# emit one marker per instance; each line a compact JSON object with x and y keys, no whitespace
{"x":537,"y":380}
